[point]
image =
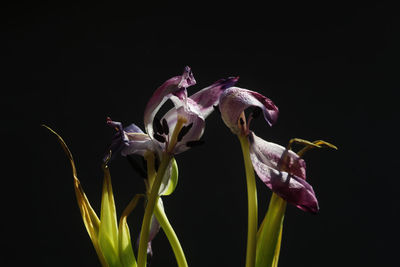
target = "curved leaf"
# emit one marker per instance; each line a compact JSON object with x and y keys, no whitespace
{"x":108,"y":232}
{"x":173,"y":180}
{"x":268,"y":237}
{"x":89,"y":216}
{"x":125,"y":250}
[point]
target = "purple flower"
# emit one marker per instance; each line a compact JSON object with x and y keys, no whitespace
{"x":180,"y":127}
{"x":282,"y":170}
{"x":176,"y":131}
{"x":235,"y":100}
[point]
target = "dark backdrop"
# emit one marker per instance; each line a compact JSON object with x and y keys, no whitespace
{"x":332,"y":69}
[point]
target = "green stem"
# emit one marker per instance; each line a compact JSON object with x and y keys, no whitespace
{"x":252,"y":203}
{"x":170,"y":233}
{"x":151,"y":203}
{"x":268,"y":242}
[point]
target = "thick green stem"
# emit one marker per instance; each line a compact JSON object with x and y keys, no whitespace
{"x":252,"y":204}
{"x":268,"y":242}
{"x":170,"y":233}
{"x":151,"y":203}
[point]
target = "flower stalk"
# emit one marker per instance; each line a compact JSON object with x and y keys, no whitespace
{"x":151,"y":203}
{"x":252,"y":203}
{"x":171,"y":235}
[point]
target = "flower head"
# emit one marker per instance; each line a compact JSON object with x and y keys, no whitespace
{"x":180,"y":127}
{"x":282,"y":170}
{"x":176,"y":131}
{"x":234,"y":101}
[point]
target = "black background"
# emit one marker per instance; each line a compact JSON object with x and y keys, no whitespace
{"x":332,"y":69}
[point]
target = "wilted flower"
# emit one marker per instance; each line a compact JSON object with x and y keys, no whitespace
{"x":178,"y":130}
{"x":282,"y":170}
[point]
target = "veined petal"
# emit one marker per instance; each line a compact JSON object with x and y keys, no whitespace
{"x":120,"y":139}
{"x":174,"y":86}
{"x":283,"y":172}
{"x":191,"y":114}
{"x":235,"y":100}
{"x":129,"y":140}
{"x":208,"y":97}
{"x":139,"y":144}
{"x":275,"y":156}
{"x":195,"y":132}
{"x":294,"y":190}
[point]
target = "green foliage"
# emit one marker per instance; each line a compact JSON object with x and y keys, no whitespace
{"x":270,"y":232}
{"x":111,"y":242}
{"x":173,"y":180}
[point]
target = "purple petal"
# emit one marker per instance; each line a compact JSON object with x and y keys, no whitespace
{"x":138,"y":144}
{"x":120,"y":139}
{"x":195,"y":109}
{"x":191,"y":114}
{"x":235,"y":100}
{"x":276,"y":156}
{"x":208,"y":97}
{"x":175,"y":86}
{"x":294,"y":190}
{"x":195,"y":132}
{"x":283,"y":171}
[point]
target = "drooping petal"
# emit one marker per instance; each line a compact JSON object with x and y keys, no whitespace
{"x":139,"y":144}
{"x":294,"y":190}
{"x":207,"y":98}
{"x":283,"y":172}
{"x":174,"y":86}
{"x":120,"y":139}
{"x":235,"y":100}
{"x":129,"y":140}
{"x":195,"y":109}
{"x":275,"y":156}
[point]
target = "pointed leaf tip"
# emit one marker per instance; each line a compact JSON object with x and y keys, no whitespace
{"x":108,"y":232}
{"x":89,"y":216}
{"x":124,"y":237}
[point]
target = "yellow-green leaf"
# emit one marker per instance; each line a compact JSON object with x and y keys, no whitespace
{"x":270,"y":232}
{"x":125,"y":250}
{"x":173,"y":180}
{"x":89,"y":216}
{"x":108,"y":232}
{"x":278,"y":248}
